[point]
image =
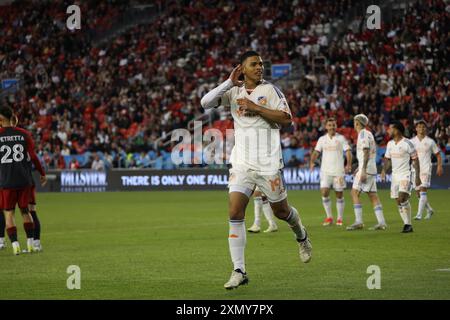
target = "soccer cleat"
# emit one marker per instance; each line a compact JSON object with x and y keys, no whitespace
{"x":355,"y":226}
{"x":271,"y":228}
{"x":418,"y":217}
{"x":2,"y":244}
{"x":407,"y":228}
{"x":254,"y":229}
{"x":37,"y":247}
{"x":327,"y":222}
{"x":237,"y":279}
{"x":16,"y":248}
{"x":339,"y":222}
{"x":305,"y":248}
{"x":30,"y":245}
{"x":429,"y":214}
{"x":378,"y":226}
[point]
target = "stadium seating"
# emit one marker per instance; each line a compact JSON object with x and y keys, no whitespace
{"x":118,"y":99}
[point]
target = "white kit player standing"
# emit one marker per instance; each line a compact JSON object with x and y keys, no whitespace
{"x":400,"y":152}
{"x":258,"y":109}
{"x":366,"y":175}
{"x":332,"y":147}
{"x":425,"y":147}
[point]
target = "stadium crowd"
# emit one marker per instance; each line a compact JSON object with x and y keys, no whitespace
{"x":108,"y":106}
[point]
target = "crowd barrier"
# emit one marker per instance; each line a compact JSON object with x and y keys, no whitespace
{"x":187,"y":179}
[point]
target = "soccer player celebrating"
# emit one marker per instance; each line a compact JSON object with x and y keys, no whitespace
{"x":258,"y":109}
{"x":366,"y":174}
{"x":262,"y":204}
{"x":399,"y":153}
{"x":332,"y":146}
{"x":15,"y":178}
{"x":425,"y":147}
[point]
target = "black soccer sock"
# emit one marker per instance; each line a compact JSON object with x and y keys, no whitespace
{"x":37,"y":225}
{"x":12,"y":234}
{"x":29,"y":229}
{"x":2,"y":224}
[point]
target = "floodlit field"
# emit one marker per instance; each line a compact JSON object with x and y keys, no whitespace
{"x":173,"y":245}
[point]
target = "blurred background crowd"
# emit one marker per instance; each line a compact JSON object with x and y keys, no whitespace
{"x":113,"y":104}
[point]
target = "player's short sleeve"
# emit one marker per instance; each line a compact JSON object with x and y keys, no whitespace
{"x":345,"y":144}
{"x":388,"y":151}
{"x":319,"y":145}
{"x":411,"y":149}
{"x":363,"y":140}
{"x":434,"y":147}
{"x":277,"y":100}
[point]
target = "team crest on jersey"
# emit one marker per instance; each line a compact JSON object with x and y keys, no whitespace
{"x":262,"y":100}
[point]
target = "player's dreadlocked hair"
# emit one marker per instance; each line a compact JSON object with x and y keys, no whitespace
{"x":6,"y":112}
{"x":14,"y":120}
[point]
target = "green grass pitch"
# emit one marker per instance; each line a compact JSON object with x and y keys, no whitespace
{"x":173,"y":245}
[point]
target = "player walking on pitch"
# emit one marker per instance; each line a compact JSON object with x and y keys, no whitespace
{"x":15,"y":178}
{"x":366,"y":174}
{"x":258,"y":109}
{"x":425,"y":147}
{"x":331,"y":146}
{"x":399,"y":153}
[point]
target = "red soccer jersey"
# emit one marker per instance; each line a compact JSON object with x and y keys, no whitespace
{"x":15,"y":146}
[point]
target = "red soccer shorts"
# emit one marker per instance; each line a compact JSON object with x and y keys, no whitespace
{"x":33,"y":195}
{"x":13,"y":197}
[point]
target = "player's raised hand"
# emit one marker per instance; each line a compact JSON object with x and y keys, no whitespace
{"x":43,"y":180}
{"x":235,"y":74}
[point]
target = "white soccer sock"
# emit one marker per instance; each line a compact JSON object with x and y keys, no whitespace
{"x":422,"y":203}
{"x":327,"y":206}
{"x":340,"y":205}
{"x":429,"y":208}
{"x":258,"y":205}
{"x":268,"y":213}
{"x":295,"y":223}
{"x":2,"y":240}
{"x":405,"y":212}
{"x":379,"y":214}
{"x":358,"y":213}
{"x":237,"y":239}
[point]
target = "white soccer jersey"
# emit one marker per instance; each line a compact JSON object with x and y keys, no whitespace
{"x":401,"y":154}
{"x":366,"y":141}
{"x":257,"y":141}
{"x":425,"y":148}
{"x":332,"y":150}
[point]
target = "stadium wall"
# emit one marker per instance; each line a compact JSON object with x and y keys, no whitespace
{"x":186,"y":179}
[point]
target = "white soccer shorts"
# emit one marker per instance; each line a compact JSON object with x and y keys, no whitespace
{"x":370,"y":185}
{"x":401,"y":183}
{"x":272,"y":185}
{"x":335,"y":182}
{"x":425,"y":179}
